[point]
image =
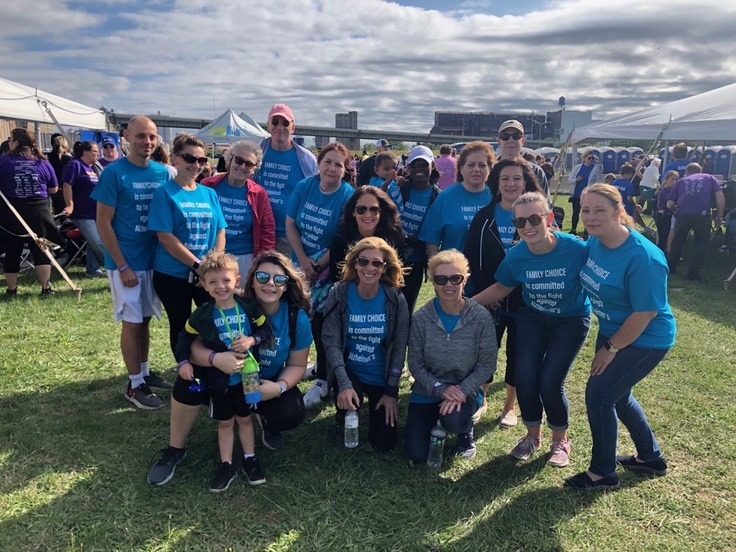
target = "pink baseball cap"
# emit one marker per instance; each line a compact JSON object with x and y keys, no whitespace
{"x":281,"y":110}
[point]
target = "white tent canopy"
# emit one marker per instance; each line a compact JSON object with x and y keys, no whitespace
{"x":24,"y":103}
{"x":710,"y":116}
{"x":229,"y":128}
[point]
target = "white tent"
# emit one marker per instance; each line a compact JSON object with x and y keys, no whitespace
{"x":710,"y":117}
{"x":229,"y":128}
{"x":24,"y":103}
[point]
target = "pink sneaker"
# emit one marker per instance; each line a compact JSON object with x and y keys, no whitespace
{"x":559,"y":453}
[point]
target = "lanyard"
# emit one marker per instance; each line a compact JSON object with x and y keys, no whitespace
{"x":227,"y":326}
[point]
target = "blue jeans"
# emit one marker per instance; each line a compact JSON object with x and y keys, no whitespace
{"x":423,"y":417}
{"x":95,"y":255}
{"x":545,"y":351}
{"x":608,"y":399}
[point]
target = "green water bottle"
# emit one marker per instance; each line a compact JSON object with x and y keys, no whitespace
{"x":251,"y":380}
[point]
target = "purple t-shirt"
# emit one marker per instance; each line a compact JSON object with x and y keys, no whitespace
{"x":693,"y":195}
{"x":445,"y":165}
{"x":662,"y":196}
{"x":24,"y":178}
{"x":83,"y":179}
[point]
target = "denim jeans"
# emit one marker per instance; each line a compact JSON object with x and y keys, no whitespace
{"x":608,"y":399}
{"x":95,"y":255}
{"x":423,"y":417}
{"x":545,"y":351}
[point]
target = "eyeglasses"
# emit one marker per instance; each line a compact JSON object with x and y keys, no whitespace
{"x":362,"y":261}
{"x":361,"y":209}
{"x":108,"y":146}
{"x":240,"y":161}
{"x":282,"y":122}
{"x":506,"y":136}
{"x":534,"y":220}
{"x":191,"y":159}
{"x":455,"y":279}
{"x":279,"y":280}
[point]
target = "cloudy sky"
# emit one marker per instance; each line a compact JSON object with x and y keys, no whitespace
{"x":396,"y":63}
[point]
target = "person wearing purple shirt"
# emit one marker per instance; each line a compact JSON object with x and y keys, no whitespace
{"x":446,"y":166}
{"x":691,"y":199}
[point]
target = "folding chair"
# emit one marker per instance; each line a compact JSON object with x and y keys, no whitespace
{"x":76,"y":247}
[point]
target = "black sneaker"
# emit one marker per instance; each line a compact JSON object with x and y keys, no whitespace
{"x":142,"y":397}
{"x":154,"y":380}
{"x":163,"y":470}
{"x":465,"y":446}
{"x":253,"y":471}
{"x":273,"y":440}
{"x":223,"y":477}
{"x":11,"y":292}
{"x":583,"y":481}
{"x":47,"y":292}
{"x":629,"y":462}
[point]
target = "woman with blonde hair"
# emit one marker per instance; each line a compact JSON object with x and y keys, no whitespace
{"x":365,"y":333}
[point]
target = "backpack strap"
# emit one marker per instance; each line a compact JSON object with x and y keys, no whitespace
{"x":293,"y":314}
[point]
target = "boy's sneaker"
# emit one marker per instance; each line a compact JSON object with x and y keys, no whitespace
{"x":223,"y":477}
{"x":154,"y":380}
{"x":559,"y":453}
{"x":316,"y":393}
{"x":525,"y":448}
{"x":142,"y":397}
{"x":465,"y":446}
{"x":253,"y":471}
{"x":629,"y":462}
{"x":273,"y":440}
{"x":163,"y":470}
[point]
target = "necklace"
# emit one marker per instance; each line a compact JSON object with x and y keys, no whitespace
{"x":227,"y":326}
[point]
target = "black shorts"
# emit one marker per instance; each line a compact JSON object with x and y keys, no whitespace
{"x":188,"y":392}
{"x":224,"y":406}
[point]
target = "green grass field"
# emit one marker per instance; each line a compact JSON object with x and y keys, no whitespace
{"x":74,"y":455}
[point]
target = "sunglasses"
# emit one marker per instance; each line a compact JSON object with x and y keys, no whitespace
{"x":361,"y":209}
{"x":282,"y":122}
{"x":279,"y":280}
{"x":455,"y":279}
{"x":191,"y":159}
{"x":534,"y":220}
{"x":590,"y":158}
{"x":108,"y":146}
{"x":240,"y":161}
{"x":506,"y":136}
{"x":362,"y":261}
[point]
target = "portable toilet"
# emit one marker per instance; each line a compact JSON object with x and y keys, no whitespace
{"x":608,"y":160}
{"x":623,"y":156}
{"x":722,"y":166}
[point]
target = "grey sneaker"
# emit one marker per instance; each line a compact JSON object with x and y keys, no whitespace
{"x":525,"y":448}
{"x":559,"y":453}
{"x":154,"y":380}
{"x":465,"y":446}
{"x":142,"y":397}
{"x":163,"y":470}
{"x":315,"y":394}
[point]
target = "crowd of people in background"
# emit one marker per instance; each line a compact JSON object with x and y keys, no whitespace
{"x":280,"y":249}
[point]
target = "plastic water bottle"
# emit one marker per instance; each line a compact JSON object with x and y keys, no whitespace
{"x":436,"y":447}
{"x":351,"y":429}
{"x":251,"y":380}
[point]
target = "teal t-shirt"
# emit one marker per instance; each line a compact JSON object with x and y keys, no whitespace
{"x":551,"y":281}
{"x":193,"y":216}
{"x":506,"y":229}
{"x":231,"y":324}
{"x":238,"y":215}
{"x":366,"y":332}
{"x":279,"y":174}
{"x":273,"y":357}
{"x":393,"y":191}
{"x":629,"y":278}
{"x":129,"y":189}
{"x":449,"y":217}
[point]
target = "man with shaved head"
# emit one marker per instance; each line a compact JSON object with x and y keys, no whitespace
{"x":123,"y":196}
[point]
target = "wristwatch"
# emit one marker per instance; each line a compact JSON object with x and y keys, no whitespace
{"x":195,"y":265}
{"x":610,"y":348}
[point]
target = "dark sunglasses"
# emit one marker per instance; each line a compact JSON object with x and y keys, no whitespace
{"x":361,"y":209}
{"x":362,"y":261}
{"x":455,"y":279}
{"x":505,"y":136}
{"x":279,"y":280}
{"x":108,"y":146}
{"x":534,"y":220}
{"x":590,"y":158}
{"x":240,"y":161}
{"x":191,"y":159}
{"x":282,"y":122}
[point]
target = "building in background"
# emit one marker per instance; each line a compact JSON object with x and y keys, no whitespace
{"x":457,"y":123}
{"x":348,"y":120}
{"x":563,"y":121}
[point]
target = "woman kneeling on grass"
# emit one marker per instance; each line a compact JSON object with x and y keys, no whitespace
{"x":552,"y":323}
{"x":452,"y":352}
{"x":625,"y":277}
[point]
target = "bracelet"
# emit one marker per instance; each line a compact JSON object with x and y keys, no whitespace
{"x":283,"y":385}
{"x":124,"y":267}
{"x":183,"y":362}
{"x":212,"y":358}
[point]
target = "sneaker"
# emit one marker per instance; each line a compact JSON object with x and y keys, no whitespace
{"x":253,"y":471}
{"x":315,"y":394}
{"x":142,"y":397}
{"x":154,"y":380}
{"x":508,"y":420}
{"x":99,"y":273}
{"x":223,"y":477}
{"x":465,"y":446}
{"x":311,"y":371}
{"x":273,"y":440}
{"x":559,"y":453}
{"x":47,"y":292}
{"x":11,"y":292}
{"x":629,"y":462}
{"x":163,"y":470}
{"x":525,"y":447}
{"x":583,"y":481}
{"x":479,"y":413}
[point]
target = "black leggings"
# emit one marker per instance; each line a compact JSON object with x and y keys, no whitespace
{"x":575,"y":212}
{"x":413,"y":284}
{"x":508,"y":324}
{"x":176,"y":296}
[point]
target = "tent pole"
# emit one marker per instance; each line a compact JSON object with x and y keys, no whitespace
{"x":47,"y":109}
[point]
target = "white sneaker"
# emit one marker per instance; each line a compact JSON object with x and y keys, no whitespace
{"x":315,"y":393}
{"x":311,"y":371}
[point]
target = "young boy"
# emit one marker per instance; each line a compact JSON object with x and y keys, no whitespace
{"x":385,"y":178}
{"x":225,"y":324}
